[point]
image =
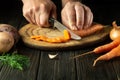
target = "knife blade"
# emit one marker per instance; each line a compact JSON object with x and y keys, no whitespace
{"x":61,"y":27}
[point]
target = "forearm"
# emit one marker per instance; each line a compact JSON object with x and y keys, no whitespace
{"x":65,"y":1}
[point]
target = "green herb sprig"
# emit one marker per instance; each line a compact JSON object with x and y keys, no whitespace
{"x":15,"y":60}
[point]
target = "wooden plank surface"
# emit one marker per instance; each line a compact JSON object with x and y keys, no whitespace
{"x":61,"y":68}
{"x":102,"y":71}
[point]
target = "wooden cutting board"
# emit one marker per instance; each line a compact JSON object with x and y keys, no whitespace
{"x":29,"y":29}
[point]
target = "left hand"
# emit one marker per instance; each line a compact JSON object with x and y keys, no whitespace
{"x":76,"y":16}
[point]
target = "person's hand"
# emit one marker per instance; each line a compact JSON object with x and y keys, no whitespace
{"x":76,"y":15}
{"x":39,"y":11}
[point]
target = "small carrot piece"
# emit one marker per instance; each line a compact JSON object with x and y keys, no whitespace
{"x":41,"y":38}
{"x":66,"y":34}
{"x":61,"y":39}
{"x":33,"y":37}
{"x":54,"y":40}
{"x":57,"y":40}
{"x":115,"y":52}
{"x":38,"y":39}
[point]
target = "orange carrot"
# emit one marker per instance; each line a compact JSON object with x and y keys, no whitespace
{"x":85,"y":32}
{"x":115,"y":52}
{"x":66,"y":34}
{"x":41,"y":38}
{"x":54,"y":40}
{"x":107,"y":47}
{"x":103,"y":48}
{"x":33,"y":37}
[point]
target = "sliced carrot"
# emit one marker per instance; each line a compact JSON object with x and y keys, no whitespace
{"x":58,"y":39}
{"x":41,"y":38}
{"x":66,"y":34}
{"x":33,"y":37}
{"x":53,"y":40}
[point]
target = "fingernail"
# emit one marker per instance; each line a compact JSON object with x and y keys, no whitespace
{"x":73,"y":28}
{"x":79,"y":27}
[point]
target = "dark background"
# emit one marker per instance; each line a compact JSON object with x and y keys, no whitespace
{"x":104,"y":11}
{"x":8,"y":6}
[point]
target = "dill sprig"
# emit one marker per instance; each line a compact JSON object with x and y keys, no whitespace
{"x":15,"y":60}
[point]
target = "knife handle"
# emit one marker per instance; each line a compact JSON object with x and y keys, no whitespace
{"x":51,"y":21}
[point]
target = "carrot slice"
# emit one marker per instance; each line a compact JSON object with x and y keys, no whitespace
{"x":66,"y":34}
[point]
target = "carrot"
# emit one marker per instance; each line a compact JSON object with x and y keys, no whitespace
{"x":41,"y":37}
{"x":66,"y":34}
{"x":55,"y":40}
{"x":107,"y":47}
{"x":52,"y":40}
{"x":115,"y":52}
{"x":103,"y":48}
{"x":62,"y":39}
{"x":34,"y":37}
{"x":85,"y":32}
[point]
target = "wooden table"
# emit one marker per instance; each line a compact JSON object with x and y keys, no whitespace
{"x":62,"y":68}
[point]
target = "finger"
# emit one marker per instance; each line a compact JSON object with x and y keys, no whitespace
{"x":72,"y":19}
{"x":64,"y":19}
{"x":32,"y":17}
{"x":37,"y":18}
{"x":27,"y":17}
{"x":53,"y":12}
{"x":44,"y":18}
{"x":79,"y":16}
{"x":88,"y":17}
{"x":91,"y":20}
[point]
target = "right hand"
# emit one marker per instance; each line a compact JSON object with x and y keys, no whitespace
{"x":39,"y":11}
{"x":76,"y":16}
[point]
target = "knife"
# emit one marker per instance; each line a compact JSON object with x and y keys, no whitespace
{"x":61,"y":27}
